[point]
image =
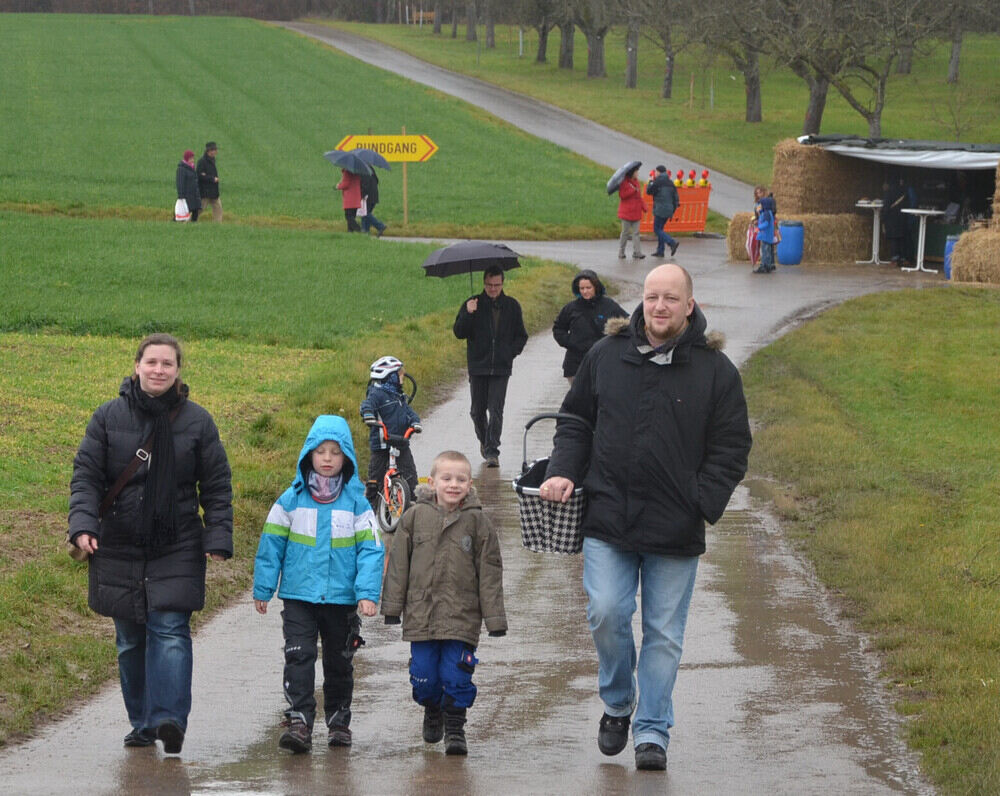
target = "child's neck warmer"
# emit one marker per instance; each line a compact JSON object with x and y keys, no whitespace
{"x":325,"y":489}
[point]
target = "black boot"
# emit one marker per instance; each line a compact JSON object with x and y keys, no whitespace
{"x":454,"y":732}
{"x":433,"y":723}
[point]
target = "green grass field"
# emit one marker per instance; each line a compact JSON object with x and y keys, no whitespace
{"x":882,"y":416}
{"x":98,"y":109}
{"x":711,"y":130}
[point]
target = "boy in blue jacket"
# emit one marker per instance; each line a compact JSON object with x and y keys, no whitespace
{"x":320,"y":539}
{"x":385,"y":401}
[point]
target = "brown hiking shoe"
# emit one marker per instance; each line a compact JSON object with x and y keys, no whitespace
{"x":297,"y":739}
{"x":339,"y":735}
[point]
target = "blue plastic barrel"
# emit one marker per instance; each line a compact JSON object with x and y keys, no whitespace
{"x":790,"y":248}
{"x":949,"y":244}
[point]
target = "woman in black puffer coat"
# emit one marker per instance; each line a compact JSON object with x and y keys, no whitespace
{"x":580,"y":323}
{"x":187,"y":184}
{"x":148,"y":550}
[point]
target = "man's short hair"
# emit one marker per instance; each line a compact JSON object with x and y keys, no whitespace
{"x":661,"y":169}
{"x":450,"y":456}
{"x":493,"y":270}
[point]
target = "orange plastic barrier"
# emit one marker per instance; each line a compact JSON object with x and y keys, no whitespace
{"x":689,"y":217}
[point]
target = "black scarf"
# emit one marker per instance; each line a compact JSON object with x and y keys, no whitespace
{"x":159,"y":500}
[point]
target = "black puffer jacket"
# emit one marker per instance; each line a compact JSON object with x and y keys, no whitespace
{"x":580,"y":323}
{"x":670,"y":443}
{"x":126,"y":581}
{"x":489,"y":349}
{"x":187,"y":186}
{"x":208,"y":175}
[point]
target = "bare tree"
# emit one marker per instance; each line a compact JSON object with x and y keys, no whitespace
{"x":594,"y":18}
{"x":438,"y":8}
{"x":470,"y":21}
{"x":542,"y":15}
{"x":491,"y":41}
{"x":633,"y":20}
{"x":740,"y":37}
{"x":665,"y":24}
{"x":567,"y":34}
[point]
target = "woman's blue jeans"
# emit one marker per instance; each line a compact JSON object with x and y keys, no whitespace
{"x":154,"y":666}
{"x":611,"y":578}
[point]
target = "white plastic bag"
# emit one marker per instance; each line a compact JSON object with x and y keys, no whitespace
{"x":363,"y":209}
{"x":181,"y":212}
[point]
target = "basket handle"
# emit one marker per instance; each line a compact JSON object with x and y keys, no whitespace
{"x":548,"y":416}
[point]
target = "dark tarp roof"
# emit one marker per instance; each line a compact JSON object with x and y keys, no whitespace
{"x":906,"y":152}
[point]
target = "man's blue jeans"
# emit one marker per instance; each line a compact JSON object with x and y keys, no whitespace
{"x":662,"y":238}
{"x":154,"y":666}
{"x":369,"y":221}
{"x":611,"y":577}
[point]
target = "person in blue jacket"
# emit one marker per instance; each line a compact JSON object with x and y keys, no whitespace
{"x":765,"y":211}
{"x":321,"y":541}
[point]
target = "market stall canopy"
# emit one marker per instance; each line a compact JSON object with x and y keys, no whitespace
{"x":904,"y":152}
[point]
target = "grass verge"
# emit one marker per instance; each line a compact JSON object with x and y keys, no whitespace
{"x":704,"y":120}
{"x":880,"y":416}
{"x":95,"y":117}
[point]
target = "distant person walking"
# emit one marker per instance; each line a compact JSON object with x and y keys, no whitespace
{"x":493,"y":329}
{"x":665,"y":204}
{"x":580,"y":323}
{"x":208,"y":180}
{"x":630,"y":209}
{"x":765,"y":212}
{"x":149,"y":537}
{"x":187,"y":184}
{"x":369,"y":193}
{"x":350,"y":187}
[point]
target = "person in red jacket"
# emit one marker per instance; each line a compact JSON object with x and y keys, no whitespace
{"x":630,"y":209}
{"x":350,"y":186}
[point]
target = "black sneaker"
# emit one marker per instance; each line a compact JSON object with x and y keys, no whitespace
{"x":433,"y":723}
{"x":673,"y":249}
{"x":297,"y":739}
{"x":339,"y":735}
{"x":138,"y":738}
{"x":172,"y":735}
{"x":613,"y":734}
{"x":650,"y":757}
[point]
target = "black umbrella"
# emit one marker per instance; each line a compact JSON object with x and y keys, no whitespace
{"x":372,"y":158}
{"x":349,"y":161}
{"x":619,"y":176}
{"x":469,"y":256}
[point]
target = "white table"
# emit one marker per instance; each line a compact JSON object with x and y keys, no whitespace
{"x":923,"y":215}
{"x":875,"y":205}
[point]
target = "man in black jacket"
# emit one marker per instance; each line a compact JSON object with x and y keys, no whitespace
{"x":208,"y":180}
{"x":494,"y":333}
{"x":665,"y":203}
{"x":670,"y":443}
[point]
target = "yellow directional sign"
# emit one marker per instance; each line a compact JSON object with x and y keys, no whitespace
{"x":397,"y":148}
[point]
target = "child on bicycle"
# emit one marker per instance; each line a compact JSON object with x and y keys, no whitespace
{"x":320,"y":540}
{"x":446,"y":580}
{"x":385,"y":401}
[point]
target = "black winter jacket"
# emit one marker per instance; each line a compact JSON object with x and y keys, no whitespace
{"x":207,"y":176}
{"x":187,"y":186}
{"x":126,"y":581}
{"x":369,"y":189}
{"x":670,"y":442}
{"x":490,"y":350}
{"x":665,"y":198}
{"x":580,"y":323}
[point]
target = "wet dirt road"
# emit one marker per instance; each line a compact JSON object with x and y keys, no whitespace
{"x":775,"y":693}
{"x":595,"y":141}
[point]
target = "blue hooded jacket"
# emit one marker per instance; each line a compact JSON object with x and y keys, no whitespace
{"x":385,"y":400}
{"x":328,"y":553}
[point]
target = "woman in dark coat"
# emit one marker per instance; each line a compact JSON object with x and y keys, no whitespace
{"x":187,"y":184}
{"x":148,"y":549}
{"x":893,"y":220}
{"x":580,"y":323}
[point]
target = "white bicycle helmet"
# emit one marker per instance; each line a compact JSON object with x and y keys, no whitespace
{"x":383,"y":366}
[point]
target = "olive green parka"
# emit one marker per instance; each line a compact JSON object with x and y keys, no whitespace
{"x":445,"y":572}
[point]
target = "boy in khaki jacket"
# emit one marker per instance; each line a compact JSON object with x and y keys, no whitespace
{"x":446,"y":578}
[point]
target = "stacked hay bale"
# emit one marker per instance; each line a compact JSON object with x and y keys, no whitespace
{"x":976,"y":256}
{"x":819,"y":189}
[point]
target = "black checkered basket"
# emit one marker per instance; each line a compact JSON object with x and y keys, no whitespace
{"x":548,"y":526}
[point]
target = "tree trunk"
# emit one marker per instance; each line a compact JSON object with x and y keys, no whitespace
{"x":454,"y":19}
{"x":470,"y":22}
{"x":818,"y":88}
{"x":567,"y":33}
{"x":667,"y":90}
{"x":632,"y":53}
{"x":437,"y":17}
{"x":543,"y":42}
{"x":751,"y":82}
{"x":905,"y":63}
{"x":491,"y":41}
{"x":191,"y":6}
{"x":956,"y":51}
{"x":595,"y":55}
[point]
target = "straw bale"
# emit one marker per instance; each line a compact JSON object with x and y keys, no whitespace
{"x":838,"y":238}
{"x":808,"y":179}
{"x":976,"y":257}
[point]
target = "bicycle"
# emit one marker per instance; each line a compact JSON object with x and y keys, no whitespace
{"x":394,"y":496}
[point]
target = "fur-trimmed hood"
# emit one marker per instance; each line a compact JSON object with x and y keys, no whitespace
{"x":695,"y":334}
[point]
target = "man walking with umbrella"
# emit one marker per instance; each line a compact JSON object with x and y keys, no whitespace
{"x":493,"y":329}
